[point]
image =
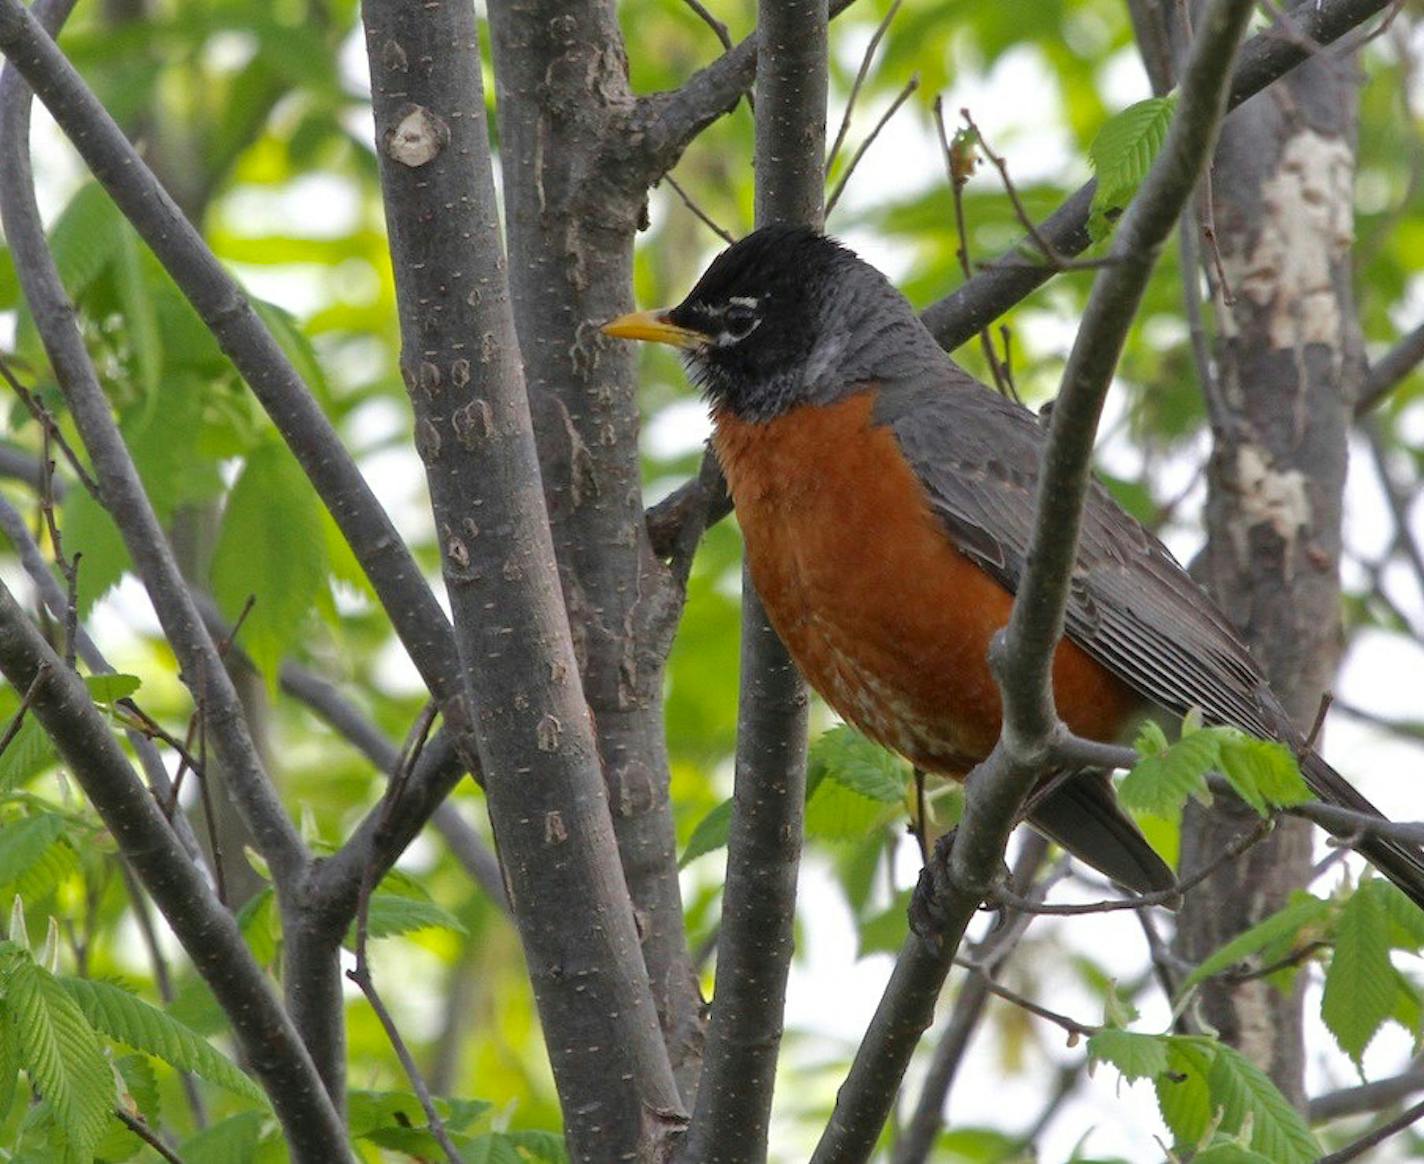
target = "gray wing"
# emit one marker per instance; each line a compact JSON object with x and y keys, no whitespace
{"x":1132,"y":607}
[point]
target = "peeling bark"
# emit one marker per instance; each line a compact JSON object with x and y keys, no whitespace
{"x":1288,"y":360}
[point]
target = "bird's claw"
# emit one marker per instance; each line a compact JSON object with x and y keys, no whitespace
{"x":935,"y":886}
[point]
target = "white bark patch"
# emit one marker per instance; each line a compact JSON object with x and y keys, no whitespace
{"x":1307,"y":224}
{"x":1269,"y":497}
{"x":418,"y":139}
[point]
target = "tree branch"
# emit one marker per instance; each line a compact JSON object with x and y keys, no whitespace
{"x":1265,"y":58}
{"x":215,"y":295}
{"x":1367,"y":1097}
{"x":269,"y":1041}
{"x":461,"y":362}
{"x":1389,"y":371}
{"x":730,"y":1121}
{"x":1023,"y":654}
{"x":917,"y":1139}
{"x":124,"y":495}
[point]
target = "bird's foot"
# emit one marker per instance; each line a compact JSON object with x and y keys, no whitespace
{"x":935,"y":888}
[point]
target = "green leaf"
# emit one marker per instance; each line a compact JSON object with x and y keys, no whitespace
{"x":231,"y":1141}
{"x":1303,"y":910}
{"x":261,"y":926}
{"x":88,"y":529}
{"x":390,"y":915}
{"x":1406,"y":920}
{"x":835,"y":811}
{"x":9,"y":1061}
{"x":1229,"y":1152}
{"x":270,"y":548}
{"x":295,"y":346}
{"x":121,"y":1015}
{"x":1182,"y":1093}
{"x":60,"y":1053}
{"x":140,"y":318}
{"x":492,"y":1148}
{"x":847,"y":757}
{"x":1263,"y":772}
{"x":1161,"y":781}
{"x":1245,"y":1096}
{"x":111,"y":688}
{"x":23,"y":842}
{"x":1122,"y":154}
{"x":709,"y":835}
{"x":85,"y":238}
{"x":546,"y":1147}
{"x":1136,"y":1056}
{"x":30,"y":752}
{"x":1359,"y":985}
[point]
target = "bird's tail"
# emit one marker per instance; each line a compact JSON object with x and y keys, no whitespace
{"x":1400,"y":861}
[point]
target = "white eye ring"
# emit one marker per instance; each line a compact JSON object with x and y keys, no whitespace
{"x":740,"y":320}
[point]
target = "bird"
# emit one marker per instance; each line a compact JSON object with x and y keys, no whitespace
{"x":886,"y":501}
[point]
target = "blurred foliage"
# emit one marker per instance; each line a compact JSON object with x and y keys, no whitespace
{"x":256,"y":118}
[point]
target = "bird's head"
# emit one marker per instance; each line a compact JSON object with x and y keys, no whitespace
{"x":782,"y":318}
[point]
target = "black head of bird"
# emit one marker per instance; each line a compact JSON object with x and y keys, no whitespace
{"x":787,"y":317}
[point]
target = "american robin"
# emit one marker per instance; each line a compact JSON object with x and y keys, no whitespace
{"x":886,"y":499}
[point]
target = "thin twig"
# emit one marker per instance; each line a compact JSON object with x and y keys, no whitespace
{"x":140,"y":1128}
{"x":47,"y":422}
{"x":1045,"y":248}
{"x":1075,"y":1029}
{"x":1005,"y":896}
{"x":12,"y":729}
{"x":959,"y":162}
{"x":861,"y":74}
{"x":68,"y":568}
{"x":1379,"y":1135}
{"x":702,"y":216}
{"x":904,"y":95}
{"x":718,"y":28}
{"x":361,"y":974}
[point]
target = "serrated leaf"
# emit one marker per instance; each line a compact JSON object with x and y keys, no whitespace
{"x":847,"y":757}
{"x":85,"y":238}
{"x":270,"y":548}
{"x":837,"y":812}
{"x":1229,"y":1152}
{"x":1182,"y":1093}
{"x":231,"y":1141}
{"x":88,"y":530}
{"x":1359,"y":984}
{"x":1121,"y":154}
{"x":111,"y":688}
{"x":1302,"y":910}
{"x":389,"y":916}
{"x":1135,"y":1055}
{"x":1263,"y":772}
{"x":545,"y":1147}
{"x":492,"y":1148}
{"x":1246,"y":1096}
{"x":22,"y":842}
{"x":140,"y":318}
{"x":115,"y":1012}
{"x":61,"y":1054}
{"x":709,"y":835}
{"x":1406,"y":920}
{"x":9,"y":1061}
{"x":1160,"y":783}
{"x":261,"y":926}
{"x":30,"y":752}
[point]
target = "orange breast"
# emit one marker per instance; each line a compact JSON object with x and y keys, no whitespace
{"x":884,"y":616}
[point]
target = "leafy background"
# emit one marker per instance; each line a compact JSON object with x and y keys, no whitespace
{"x":258,"y":115}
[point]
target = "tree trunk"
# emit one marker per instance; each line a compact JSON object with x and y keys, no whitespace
{"x":1288,"y":359}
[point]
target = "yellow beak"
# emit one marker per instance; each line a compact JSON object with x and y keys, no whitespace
{"x":654,"y":327}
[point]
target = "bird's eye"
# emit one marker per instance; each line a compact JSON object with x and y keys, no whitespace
{"x":739,"y":319}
